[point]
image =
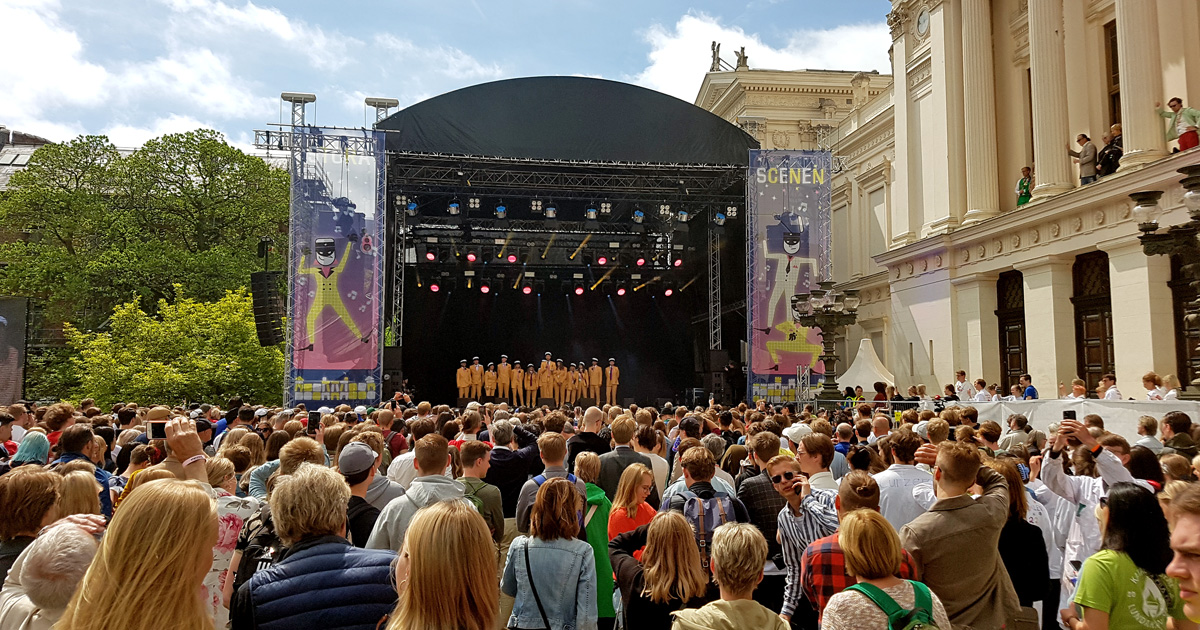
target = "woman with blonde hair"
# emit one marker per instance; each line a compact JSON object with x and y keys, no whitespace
{"x":440,"y":593}
{"x":79,"y":494}
{"x":139,"y":477}
{"x":629,"y":508}
{"x":669,"y":576}
{"x":148,"y":571}
{"x":232,"y":513}
{"x":550,"y":574}
{"x":232,"y":438}
{"x":258,"y":449}
{"x":873,"y":555}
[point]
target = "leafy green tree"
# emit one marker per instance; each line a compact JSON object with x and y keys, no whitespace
{"x":190,"y":351}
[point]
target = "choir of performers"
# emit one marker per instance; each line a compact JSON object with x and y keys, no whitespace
{"x":527,"y":386}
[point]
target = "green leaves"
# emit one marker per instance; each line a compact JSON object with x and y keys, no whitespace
{"x":190,"y":351}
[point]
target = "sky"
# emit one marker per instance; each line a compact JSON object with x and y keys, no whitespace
{"x":137,"y":69}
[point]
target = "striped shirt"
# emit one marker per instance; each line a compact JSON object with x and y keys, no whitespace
{"x":817,"y":519}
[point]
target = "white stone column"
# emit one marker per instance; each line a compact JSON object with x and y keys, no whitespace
{"x":1142,"y":313}
{"x":1138,"y":61}
{"x":904,"y":228}
{"x":979,"y":93}
{"x":1049,"y":322}
{"x":1048,"y":69}
{"x":976,"y":331}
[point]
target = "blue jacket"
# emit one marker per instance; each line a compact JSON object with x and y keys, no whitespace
{"x":321,"y":583}
{"x":103,"y":477}
{"x":565,"y":571}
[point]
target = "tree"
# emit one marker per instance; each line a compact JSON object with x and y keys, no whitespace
{"x":190,"y":351}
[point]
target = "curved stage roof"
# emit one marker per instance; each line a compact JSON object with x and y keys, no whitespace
{"x":567,"y":118}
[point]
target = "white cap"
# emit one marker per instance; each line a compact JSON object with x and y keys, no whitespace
{"x":360,"y":410}
{"x":796,"y":432}
{"x":261,"y":412}
{"x":325,"y":410}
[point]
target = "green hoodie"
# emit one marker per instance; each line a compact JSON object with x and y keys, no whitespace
{"x":741,"y":614}
{"x":597,"y":537}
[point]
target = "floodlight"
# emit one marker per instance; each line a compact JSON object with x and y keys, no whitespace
{"x":501,"y":211}
{"x":605,"y":207}
{"x":433,"y":286}
{"x":473,"y":203}
{"x":719,"y":218}
{"x":638,"y":215}
{"x":590,"y":212}
{"x":454,"y":209}
{"x":551,"y":211}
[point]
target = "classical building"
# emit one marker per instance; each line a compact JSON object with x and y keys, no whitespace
{"x":953,"y":274}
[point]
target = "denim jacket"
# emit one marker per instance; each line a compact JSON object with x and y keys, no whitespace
{"x":565,"y":571}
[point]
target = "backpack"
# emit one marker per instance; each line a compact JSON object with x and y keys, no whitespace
{"x":391,"y":438}
{"x":705,"y":516}
{"x":262,"y":551}
{"x":919,"y":618}
{"x":473,"y":498}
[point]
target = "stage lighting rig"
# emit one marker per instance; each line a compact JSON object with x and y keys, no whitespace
{"x":579,"y":289}
{"x":501,"y":211}
{"x":621,"y":288}
{"x":454,"y":209}
{"x":682,"y":216}
{"x":602,"y":260}
{"x":664,"y":209}
{"x":551,"y":210}
{"x":590,"y":212}
{"x":719,"y":218}
{"x":434,"y":286}
{"x":638,"y":216}
{"x":535,"y":206}
{"x":472,"y":256}
{"x":731,"y":212}
{"x":485,"y":286}
{"x":473,"y":203}
{"x":605,"y":207}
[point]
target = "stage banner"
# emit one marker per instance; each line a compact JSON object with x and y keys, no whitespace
{"x":788,"y":218}
{"x":13,"y":321}
{"x":336,"y":275}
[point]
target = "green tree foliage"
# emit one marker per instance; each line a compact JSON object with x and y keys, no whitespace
{"x":189,"y":351}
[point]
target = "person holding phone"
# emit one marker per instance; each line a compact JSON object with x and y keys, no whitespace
{"x":808,"y":515}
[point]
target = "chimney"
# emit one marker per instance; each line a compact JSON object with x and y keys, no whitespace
{"x":5,"y":136}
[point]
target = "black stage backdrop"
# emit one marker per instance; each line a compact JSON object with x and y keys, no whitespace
{"x":648,"y":334}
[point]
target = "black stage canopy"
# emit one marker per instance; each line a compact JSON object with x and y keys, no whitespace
{"x":567,"y":118}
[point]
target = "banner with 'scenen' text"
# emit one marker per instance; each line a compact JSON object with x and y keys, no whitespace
{"x":336,"y":273}
{"x":787,"y":252}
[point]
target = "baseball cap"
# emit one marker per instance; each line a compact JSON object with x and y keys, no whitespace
{"x":796,"y":432}
{"x":325,"y":410}
{"x":202,"y":426}
{"x":261,"y":412}
{"x":922,"y":429}
{"x":360,"y":410}
{"x":355,"y":458}
{"x":158,"y":413}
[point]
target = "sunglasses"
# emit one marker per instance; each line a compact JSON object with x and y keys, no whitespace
{"x":787,"y":476}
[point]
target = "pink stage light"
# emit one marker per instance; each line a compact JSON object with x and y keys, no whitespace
{"x":434,"y":287}
{"x":526,"y":289}
{"x":578,"y":290}
{"x":484,"y":288}
{"x":512,"y":258}
{"x":641,"y":261}
{"x":669,"y":292}
{"x":602,"y":260}
{"x":678,"y":262}
{"x":470,"y":256}
{"x":430,"y":256}
{"x":621,"y":291}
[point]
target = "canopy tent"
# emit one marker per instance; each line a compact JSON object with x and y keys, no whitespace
{"x":866,"y":369}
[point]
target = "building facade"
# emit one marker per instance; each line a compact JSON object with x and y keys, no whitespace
{"x":953,"y":273}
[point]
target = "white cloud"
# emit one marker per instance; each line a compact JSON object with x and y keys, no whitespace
{"x":131,"y":137}
{"x":444,"y":60}
{"x":196,"y":78}
{"x":680,"y":56}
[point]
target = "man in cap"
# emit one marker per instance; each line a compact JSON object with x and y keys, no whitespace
{"x":613,"y":377}
{"x":595,"y":380}
{"x":546,"y":378}
{"x":504,"y":377}
{"x":518,"y":384}
{"x":476,"y":378}
{"x":560,"y":383}
{"x":463,"y":379}
{"x":357,"y":464}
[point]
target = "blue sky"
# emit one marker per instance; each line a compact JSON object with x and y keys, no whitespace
{"x":135,"y":69}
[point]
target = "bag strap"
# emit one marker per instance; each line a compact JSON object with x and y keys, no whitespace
{"x":881,"y":599}
{"x":533,"y":587}
{"x":539,"y":480}
{"x":922,"y":599}
{"x":588,"y":519}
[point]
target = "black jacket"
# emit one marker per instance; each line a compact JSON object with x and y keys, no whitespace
{"x":511,"y":469}
{"x":583,"y":442}
{"x":631,"y":580}
{"x":613,"y":465}
{"x":1023,"y":551}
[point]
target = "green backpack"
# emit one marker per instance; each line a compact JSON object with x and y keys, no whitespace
{"x":919,"y":618}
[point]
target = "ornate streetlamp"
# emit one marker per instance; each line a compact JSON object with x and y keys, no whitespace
{"x":1178,"y":240}
{"x":828,"y":310}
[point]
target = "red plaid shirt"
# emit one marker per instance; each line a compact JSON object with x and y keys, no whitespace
{"x":824,"y":571}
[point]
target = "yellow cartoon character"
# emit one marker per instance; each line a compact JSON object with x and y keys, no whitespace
{"x":322,"y":280}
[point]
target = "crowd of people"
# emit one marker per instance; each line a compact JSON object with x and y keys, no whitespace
{"x":979,"y":390}
{"x":420,"y":516}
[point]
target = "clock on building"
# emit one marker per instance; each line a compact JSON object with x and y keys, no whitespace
{"x":923,"y":22}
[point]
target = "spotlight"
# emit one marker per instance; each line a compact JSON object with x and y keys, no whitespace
{"x":512,"y":258}
{"x":535,"y":206}
{"x":501,"y":210}
{"x":664,"y":209}
{"x":638,"y":215}
{"x":472,"y":256}
{"x":410,"y":205}
{"x":620,"y":291}
{"x":430,"y":256}
{"x":719,"y":218}
{"x":526,"y":287}
{"x":731,"y":211}
{"x":579,"y":289}
{"x":682,"y":216}
{"x":473,"y":203}
{"x":605,"y":208}
{"x":641,"y":260}
{"x":678,"y":262}
{"x":454,"y":209}
{"x":602,"y":261}
{"x":590,"y":212}
{"x":484,"y":286}
{"x":668,"y":293}
{"x":551,"y":211}
{"x":433,"y":286}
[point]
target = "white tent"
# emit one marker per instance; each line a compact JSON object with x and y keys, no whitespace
{"x":865,"y":370}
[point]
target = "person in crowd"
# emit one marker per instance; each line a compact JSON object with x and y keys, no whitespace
{"x":1109,"y":157}
{"x":1176,"y":432}
{"x":739,"y":552}
{"x":1020,"y":432}
{"x":381,"y":490}
{"x":40,"y":584}
{"x":1024,"y":190}
{"x":78,"y":494}
{"x":646,"y":444}
{"x":968,"y":575}
{"x":873,"y":555}
{"x":896,"y":500}
{"x":805,"y":516}
{"x":1185,"y":544}
{"x":1171,"y":386}
{"x":614,"y":463}
{"x":436,"y":591}
{"x":815,"y":454}
{"x":1108,"y":387}
{"x":553,"y":450}
{"x":1124,"y":584}
{"x":1176,"y":467}
{"x":588,"y":438}
{"x":763,"y":504}
{"x":1024,"y":544}
{"x":432,"y":457}
{"x":669,"y":575}
{"x":1147,"y":428}
{"x":77,"y":444}
{"x":1086,"y":157}
{"x":629,"y":507}
{"x":513,"y":459}
{"x":232,"y":513}
{"x":550,"y":573}
{"x":476,"y":457}
{"x":1028,"y":391}
{"x":29,"y":502}
{"x":596,"y":513}
{"x":1153,"y":384}
{"x":34,"y":449}
{"x":309,"y":509}
{"x":1183,"y":123}
{"x":402,"y":470}
{"x":356,"y":463}
{"x":698,"y":466}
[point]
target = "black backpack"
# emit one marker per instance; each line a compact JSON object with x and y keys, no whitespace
{"x":262,"y":551}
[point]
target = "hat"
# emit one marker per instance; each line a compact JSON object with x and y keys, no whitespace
{"x":474,"y":404}
{"x":157,"y":413}
{"x":195,"y":414}
{"x":504,"y":356}
{"x":547,"y":354}
{"x":474,"y":358}
{"x":490,"y":364}
{"x":922,"y":429}
{"x":325,"y":410}
{"x":202,"y":426}
{"x":796,"y":432}
{"x":516,"y":363}
{"x":355,"y":458}
{"x":611,"y":360}
{"x":558,"y":360}
{"x":261,"y":412}
{"x":572,"y":365}
{"x":463,"y":361}
{"x":360,"y":410}
{"x":690,"y":422}
{"x":595,"y":360}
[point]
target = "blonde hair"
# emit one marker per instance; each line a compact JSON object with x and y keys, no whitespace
{"x":309,"y":502}
{"x":870,"y":545}
{"x":441,"y":593}
{"x":738,"y":553}
{"x":234,"y":438}
{"x":627,"y":489}
{"x":587,"y":467}
{"x":257,"y":447}
{"x":143,"y":476}
{"x":671,"y":561}
{"x":218,"y":469}
{"x":78,"y":494}
{"x":146,"y":573}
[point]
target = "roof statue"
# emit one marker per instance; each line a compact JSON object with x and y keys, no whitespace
{"x":743,"y":59}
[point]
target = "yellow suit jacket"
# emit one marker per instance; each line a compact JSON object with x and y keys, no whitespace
{"x":531,"y":379}
{"x":560,"y":377}
{"x":489,"y":379}
{"x":614,"y":375}
{"x":503,"y":373}
{"x":476,"y":374}
{"x":463,"y":377}
{"x":595,"y":376}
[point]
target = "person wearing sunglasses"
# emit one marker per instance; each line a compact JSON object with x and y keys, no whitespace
{"x":809,"y":514}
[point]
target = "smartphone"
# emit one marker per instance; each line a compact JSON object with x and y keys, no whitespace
{"x":158,"y":430}
{"x":314,"y":422}
{"x":1069,"y":414}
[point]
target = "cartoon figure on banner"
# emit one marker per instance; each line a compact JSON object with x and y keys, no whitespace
{"x":785,"y":248}
{"x":322,"y":279}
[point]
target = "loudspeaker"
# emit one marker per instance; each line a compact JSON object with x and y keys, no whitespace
{"x":547,"y":402}
{"x":462,"y":403}
{"x":269,"y":310}
{"x":587,"y":402}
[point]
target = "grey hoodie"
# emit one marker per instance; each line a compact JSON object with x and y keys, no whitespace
{"x":381,"y":492}
{"x":394,"y":519}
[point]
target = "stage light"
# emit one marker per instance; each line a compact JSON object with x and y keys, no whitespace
{"x":512,"y":258}
{"x":664,"y":209}
{"x":602,"y":261}
{"x":638,"y":215}
{"x":484,"y":286}
{"x":682,"y":216}
{"x":620,"y":290}
{"x":501,"y":210}
{"x":551,"y":211}
{"x":430,"y":256}
{"x":719,"y":218}
{"x":472,"y":256}
{"x":678,"y":262}
{"x":590,"y":212}
{"x":454,"y":209}
{"x":731,"y":211}
{"x":527,"y":289}
{"x":473,"y":203}
{"x":433,"y":286}
{"x":535,"y":206}
{"x":669,"y":292}
{"x":605,"y":208}
{"x":579,"y":289}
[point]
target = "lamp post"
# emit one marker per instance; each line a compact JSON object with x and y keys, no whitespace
{"x":1178,"y":240}
{"x":829,"y":310}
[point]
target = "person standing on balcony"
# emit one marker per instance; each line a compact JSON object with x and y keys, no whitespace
{"x":1087,"y":159}
{"x":1184,"y":121}
{"x":1024,"y":186}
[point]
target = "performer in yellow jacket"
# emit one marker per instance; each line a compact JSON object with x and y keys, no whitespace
{"x":595,"y":380}
{"x":503,"y":377}
{"x":560,"y":382}
{"x":489,"y":380}
{"x":463,"y":379}
{"x":572,"y":385}
{"x":546,"y":379}
{"x":476,"y":378}
{"x":518,"y":384}
{"x":532,"y":381}
{"x":613,"y":374}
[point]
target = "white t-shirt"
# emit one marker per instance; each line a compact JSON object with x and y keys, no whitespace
{"x":983,"y":397}
{"x":1112,"y":393}
{"x":896,"y":501}
{"x":964,"y":390}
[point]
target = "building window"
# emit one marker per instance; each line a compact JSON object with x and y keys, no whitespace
{"x":1093,"y":318}
{"x":1112,"y":79}
{"x":1187,"y":338}
{"x":1010,"y":298}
